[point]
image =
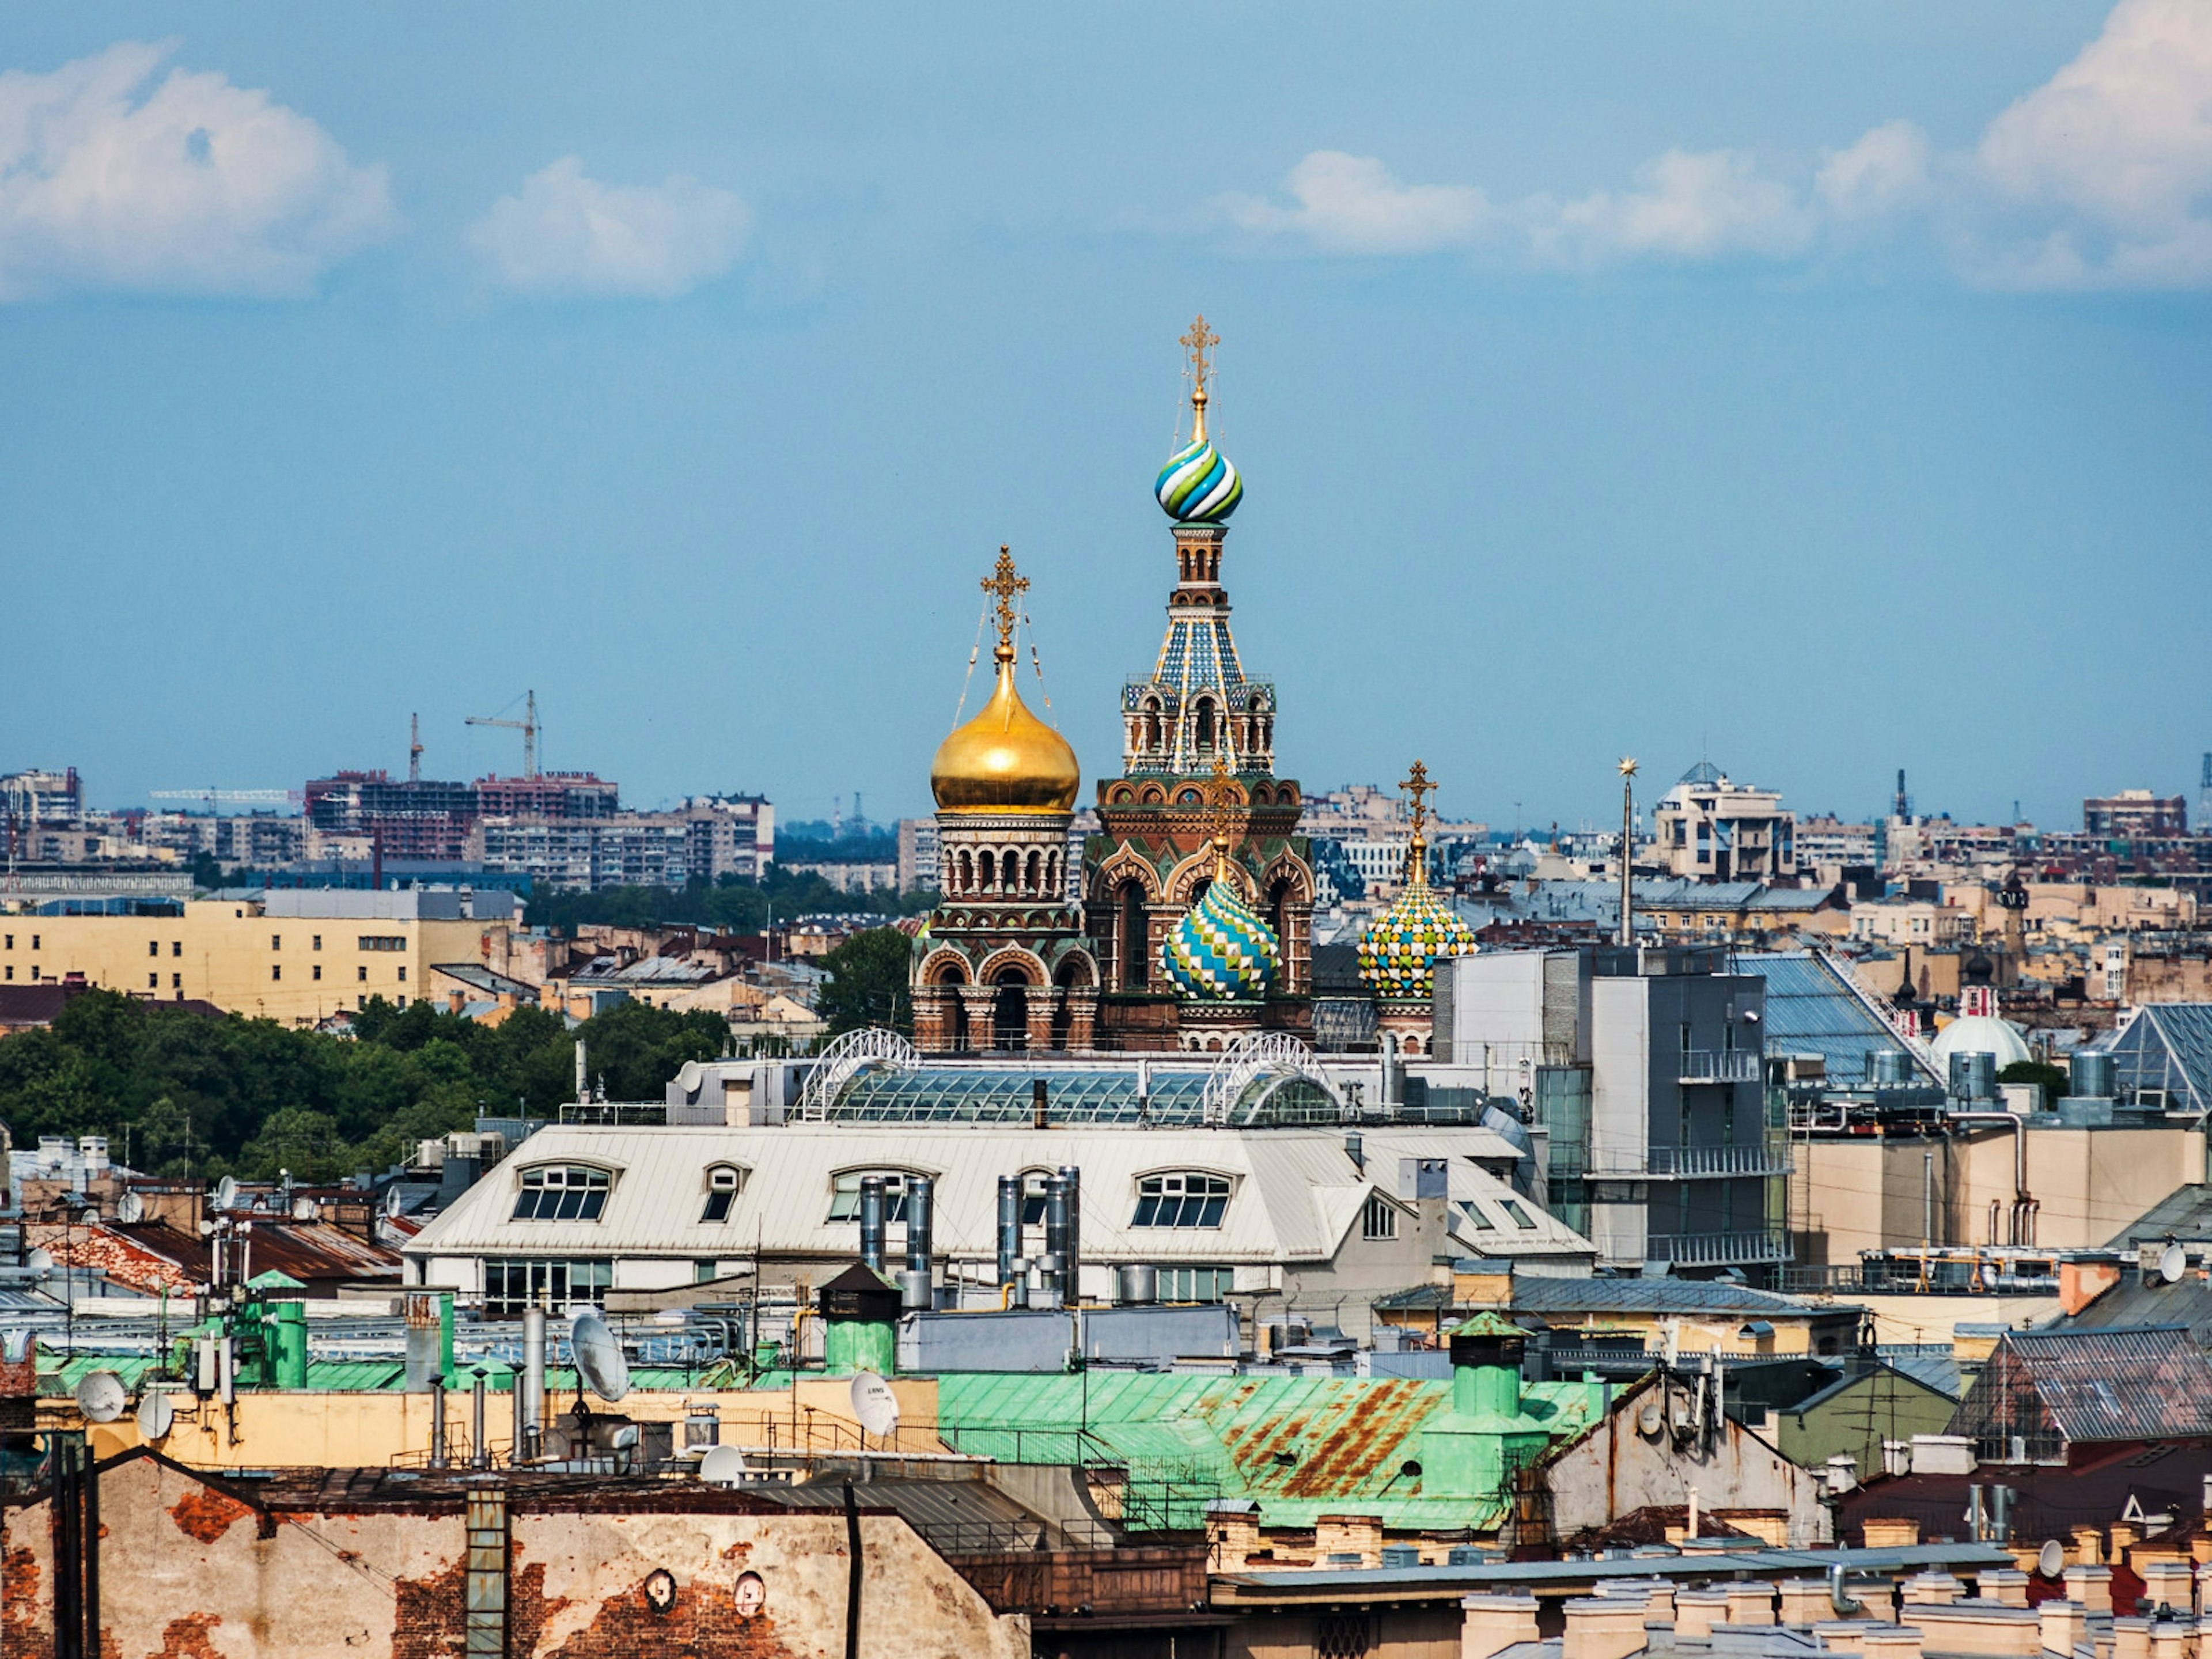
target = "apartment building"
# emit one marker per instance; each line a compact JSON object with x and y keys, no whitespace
{"x":2134,"y":813}
{"x":1711,"y":828}
{"x":296,"y":955}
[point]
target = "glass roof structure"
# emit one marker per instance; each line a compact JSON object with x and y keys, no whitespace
{"x":2166,"y":1045}
{"x":1811,"y":1011}
{"x":1134,"y":1095}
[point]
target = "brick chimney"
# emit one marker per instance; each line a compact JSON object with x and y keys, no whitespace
{"x":2090,"y":1585}
{"x":2065,"y":1625}
{"x":1491,"y":1624}
{"x":2082,"y":1279}
{"x":1603,"y":1627}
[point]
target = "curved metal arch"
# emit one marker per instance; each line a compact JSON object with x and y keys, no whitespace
{"x":1256,"y":1057}
{"x":870,"y":1049}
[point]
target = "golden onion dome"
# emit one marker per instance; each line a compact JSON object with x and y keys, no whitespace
{"x":1004,"y":760}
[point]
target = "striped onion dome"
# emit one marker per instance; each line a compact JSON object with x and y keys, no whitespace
{"x":1197,"y":485}
{"x":1221,"y":951}
{"x":1398,"y":950}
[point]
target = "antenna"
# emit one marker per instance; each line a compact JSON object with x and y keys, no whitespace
{"x":599,"y":1357}
{"x":414,"y":749}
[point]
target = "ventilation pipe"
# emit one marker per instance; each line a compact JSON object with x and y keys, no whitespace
{"x":1056,"y":1208}
{"x":1010,"y":1226}
{"x":530,"y":1407}
{"x":1071,"y":1282}
{"x":872,"y":1223}
{"x":1039,"y":1118}
{"x":921,"y":1201}
{"x":2023,"y":1206}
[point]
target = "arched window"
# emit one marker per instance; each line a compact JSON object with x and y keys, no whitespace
{"x":1010,"y":1017}
{"x":967,"y":877}
{"x":1037,"y":872}
{"x":723,"y":1182}
{"x":845,"y":1194}
{"x":1135,"y":945}
{"x":984,"y":870}
{"x":1204,"y":724}
{"x":1152,"y":724}
{"x":563,"y":1192}
{"x":1184,"y":1198}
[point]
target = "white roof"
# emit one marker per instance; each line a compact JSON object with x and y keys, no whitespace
{"x":1981,"y":1034}
{"x":1294,"y":1193}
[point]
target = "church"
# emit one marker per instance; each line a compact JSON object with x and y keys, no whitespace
{"x":1195,"y":926}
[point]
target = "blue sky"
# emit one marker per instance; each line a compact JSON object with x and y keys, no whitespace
{"x":1820,"y":388}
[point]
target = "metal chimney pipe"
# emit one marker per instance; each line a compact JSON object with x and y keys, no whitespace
{"x":480,"y":1456}
{"x":1037,"y":1114}
{"x":437,"y":1422}
{"x":1010,"y":1226}
{"x":871,"y":1222}
{"x":530,"y":1408}
{"x":1055,"y":1228}
{"x":920,"y":1202}
{"x":1070,"y":1283}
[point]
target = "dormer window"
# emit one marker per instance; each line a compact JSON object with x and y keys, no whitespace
{"x":1186,"y":1199}
{"x":563,"y":1192}
{"x":723,"y":1182}
{"x":845,"y":1196}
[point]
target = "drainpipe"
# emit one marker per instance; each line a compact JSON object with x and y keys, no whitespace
{"x":2013,"y":1121}
{"x":1927,"y":1199}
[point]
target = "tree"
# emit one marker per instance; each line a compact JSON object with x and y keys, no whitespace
{"x":868,"y":983}
{"x":2056,"y":1084}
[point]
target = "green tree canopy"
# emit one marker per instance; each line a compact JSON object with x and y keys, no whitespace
{"x":867,"y":983}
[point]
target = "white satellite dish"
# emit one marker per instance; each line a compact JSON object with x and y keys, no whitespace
{"x":2172,"y":1262}
{"x":2051,"y":1559}
{"x":226,"y":1194}
{"x":722,"y":1466}
{"x":40,"y":1262}
{"x":156,"y":1414}
{"x":687,"y":1076}
{"x":394,"y":1200}
{"x":1649,"y":1421}
{"x":874,"y":1404}
{"x":130,"y":1207}
{"x":598,"y":1356}
{"x":304,"y":1209}
{"x":101,"y":1397}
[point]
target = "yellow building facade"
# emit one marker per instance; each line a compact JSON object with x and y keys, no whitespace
{"x":232,"y":952}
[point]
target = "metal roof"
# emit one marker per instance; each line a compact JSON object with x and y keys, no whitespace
{"x":1294,"y":1194}
{"x":1762,"y":1564}
{"x":2148,"y":1383}
{"x":1300,"y":1447}
{"x":1812,"y":1008}
{"x":1552,"y":1298}
{"x":2184,"y":1214}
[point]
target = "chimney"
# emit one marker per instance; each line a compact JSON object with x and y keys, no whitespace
{"x":1350,"y":1534}
{"x":1750,"y":1604}
{"x":1894,"y":1641}
{"x":530,"y":1405}
{"x":1071,"y":1281}
{"x":1697,"y":1611}
{"x":2130,"y":1638}
{"x":2007,"y":1586}
{"x":1010,"y":1226}
{"x":872,"y":1223}
{"x":1603,"y":1628}
{"x":1932,"y":1586}
{"x":2167,"y":1584}
{"x":920,"y":1206}
{"x":1491,"y":1624}
{"x":2083,"y":1280}
{"x":1057,"y":1206}
{"x":2065,"y":1625}
{"x":2090,"y":1585}
{"x":1037,"y":1117}
{"x":1805,"y":1603}
{"x":2173,"y":1639}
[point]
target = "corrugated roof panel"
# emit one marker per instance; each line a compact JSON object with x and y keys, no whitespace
{"x":2147,"y":1384}
{"x":1810,"y":1009}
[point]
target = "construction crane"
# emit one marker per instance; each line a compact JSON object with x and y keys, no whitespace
{"x":414,"y":749}
{"x":243,"y":797}
{"x":528,"y":725}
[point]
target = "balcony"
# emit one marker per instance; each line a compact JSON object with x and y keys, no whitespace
{"x":1716,"y":1249}
{"x":1717,"y":1162}
{"x":1718,"y":1065}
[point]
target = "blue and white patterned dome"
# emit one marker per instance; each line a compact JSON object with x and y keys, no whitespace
{"x":1197,"y":485}
{"x":1220,"y":952}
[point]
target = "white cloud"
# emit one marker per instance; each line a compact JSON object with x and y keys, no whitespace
{"x":1703,"y":206}
{"x":1353,"y":205}
{"x":1885,"y":172}
{"x":567,"y":234}
{"x":194,"y":186}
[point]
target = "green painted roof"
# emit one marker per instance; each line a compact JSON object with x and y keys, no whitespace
{"x":1299,"y":1447}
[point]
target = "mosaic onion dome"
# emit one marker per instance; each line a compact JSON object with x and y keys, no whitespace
{"x":1004,"y":760}
{"x":1221,"y":951}
{"x":1399,"y":950}
{"x":1197,"y":485}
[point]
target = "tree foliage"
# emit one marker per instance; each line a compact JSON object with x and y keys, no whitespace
{"x":177,"y":1093}
{"x":730,"y":906}
{"x":868,"y":982}
{"x":2056,"y":1084}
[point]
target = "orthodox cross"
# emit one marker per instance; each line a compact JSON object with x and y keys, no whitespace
{"x":1200,"y":340}
{"x":1222,"y":795}
{"x":1417,"y":786}
{"x":1005,"y":583}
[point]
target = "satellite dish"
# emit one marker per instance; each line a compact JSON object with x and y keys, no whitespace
{"x":101,"y":1397}
{"x":130,"y":1207}
{"x":600,"y":1361}
{"x":2172,"y":1262}
{"x":1648,"y":1422}
{"x":304,"y":1209}
{"x":394,"y":1200}
{"x":226,"y":1194}
{"x":40,"y":1262}
{"x":722,"y":1466}
{"x":156,"y":1414}
{"x":687,"y":1076}
{"x":874,"y":1404}
{"x":2051,"y":1559}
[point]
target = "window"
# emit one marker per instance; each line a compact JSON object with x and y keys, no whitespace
{"x":275,"y":941}
{"x":276,"y":970}
{"x":362,"y":972}
{"x":153,"y":947}
{"x":1196,"y":1284}
{"x":11,"y":970}
{"x":176,"y":947}
{"x":318,"y":970}
{"x":383,"y":941}
{"x":516,"y":1283}
{"x":723,"y":1182}
{"x":11,"y":941}
{"x":1184,"y":1200}
{"x":318,"y":942}
{"x":704,"y":1273}
{"x":403,"y":973}
{"x":1477,"y":1217}
{"x":1379,"y":1219}
{"x":153,"y":981}
{"x":563,"y":1192}
{"x":34,"y":941}
{"x":176,"y":981}
{"x":845,"y":1196}
{"x":1519,"y":1217}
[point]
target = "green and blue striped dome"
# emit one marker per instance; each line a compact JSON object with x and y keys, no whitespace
{"x":1197,"y":485}
{"x":1220,"y":952}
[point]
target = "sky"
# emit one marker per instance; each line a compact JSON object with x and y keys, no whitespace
{"x":1820,"y":389}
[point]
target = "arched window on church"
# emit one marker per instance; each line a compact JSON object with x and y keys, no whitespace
{"x":1152,"y":725}
{"x":965,"y":879}
{"x":985,"y":871}
{"x":1037,"y":872}
{"x":1133,"y":946}
{"x":1010,"y":1017}
{"x":1203,"y":724}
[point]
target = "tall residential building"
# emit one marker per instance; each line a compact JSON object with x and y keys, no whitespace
{"x":32,"y":799}
{"x":1710,"y":829}
{"x":2134,"y":813}
{"x":731,"y":835}
{"x":918,"y":869}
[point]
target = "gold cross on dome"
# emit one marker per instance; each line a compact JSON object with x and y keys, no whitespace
{"x":1005,"y":584}
{"x":1199,"y":341}
{"x":1221,"y":794}
{"x":1418,"y":786}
